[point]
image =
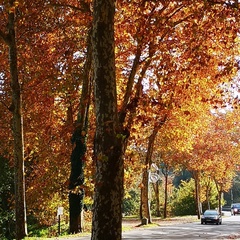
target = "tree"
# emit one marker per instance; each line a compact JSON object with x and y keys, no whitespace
{"x":189,"y":62}
{"x":145,"y":205}
{"x":49,"y":68}
{"x":163,"y":49}
{"x":17,"y":123}
{"x":78,"y":154}
{"x":109,"y":138}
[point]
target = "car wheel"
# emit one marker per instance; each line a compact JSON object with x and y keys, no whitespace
{"x":217,"y":223}
{"x":201,"y":222}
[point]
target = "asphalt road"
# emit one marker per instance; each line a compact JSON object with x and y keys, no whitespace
{"x":230,"y":229}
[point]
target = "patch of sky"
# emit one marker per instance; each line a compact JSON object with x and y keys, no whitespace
{"x":2,"y":75}
{"x":147,"y":83}
{"x":78,"y":55}
{"x":61,"y":66}
{"x":230,"y":93}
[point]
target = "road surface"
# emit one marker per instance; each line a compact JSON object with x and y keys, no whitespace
{"x":230,"y":229}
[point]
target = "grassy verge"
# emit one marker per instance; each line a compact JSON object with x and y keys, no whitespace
{"x":129,"y":222}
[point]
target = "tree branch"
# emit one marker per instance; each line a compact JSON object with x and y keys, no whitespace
{"x":4,"y":104}
{"x":85,"y":7}
{"x":233,"y":4}
{"x":4,"y":37}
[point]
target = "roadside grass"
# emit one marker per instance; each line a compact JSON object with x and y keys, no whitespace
{"x":129,"y":222}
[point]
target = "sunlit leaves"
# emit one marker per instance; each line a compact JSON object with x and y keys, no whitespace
{"x":189,"y":51}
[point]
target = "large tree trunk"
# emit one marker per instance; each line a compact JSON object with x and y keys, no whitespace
{"x":109,"y":139}
{"x":76,"y":180}
{"x":75,"y":208}
{"x":145,"y":202}
{"x":17,"y":128}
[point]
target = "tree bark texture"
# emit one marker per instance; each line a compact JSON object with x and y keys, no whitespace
{"x":17,"y":128}
{"x":75,"y":208}
{"x":108,"y":149}
{"x":145,"y":202}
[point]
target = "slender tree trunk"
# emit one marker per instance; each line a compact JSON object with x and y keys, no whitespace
{"x":145,"y":205}
{"x":156,"y":191}
{"x":165,"y":195}
{"x":220,"y":201}
{"x":208,"y":190}
{"x":207,"y":198}
{"x":17,"y":128}
{"x":220,"y":191}
{"x":157,"y":199}
{"x":197,"y":191}
{"x":109,"y":137}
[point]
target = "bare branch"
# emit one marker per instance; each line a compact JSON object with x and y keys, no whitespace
{"x":4,"y":104}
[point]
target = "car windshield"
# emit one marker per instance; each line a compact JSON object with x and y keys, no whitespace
{"x":236,"y":205}
{"x":210,"y":213}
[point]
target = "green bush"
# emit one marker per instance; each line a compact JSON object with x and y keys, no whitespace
{"x":6,"y":204}
{"x":131,"y":203}
{"x":183,"y":202}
